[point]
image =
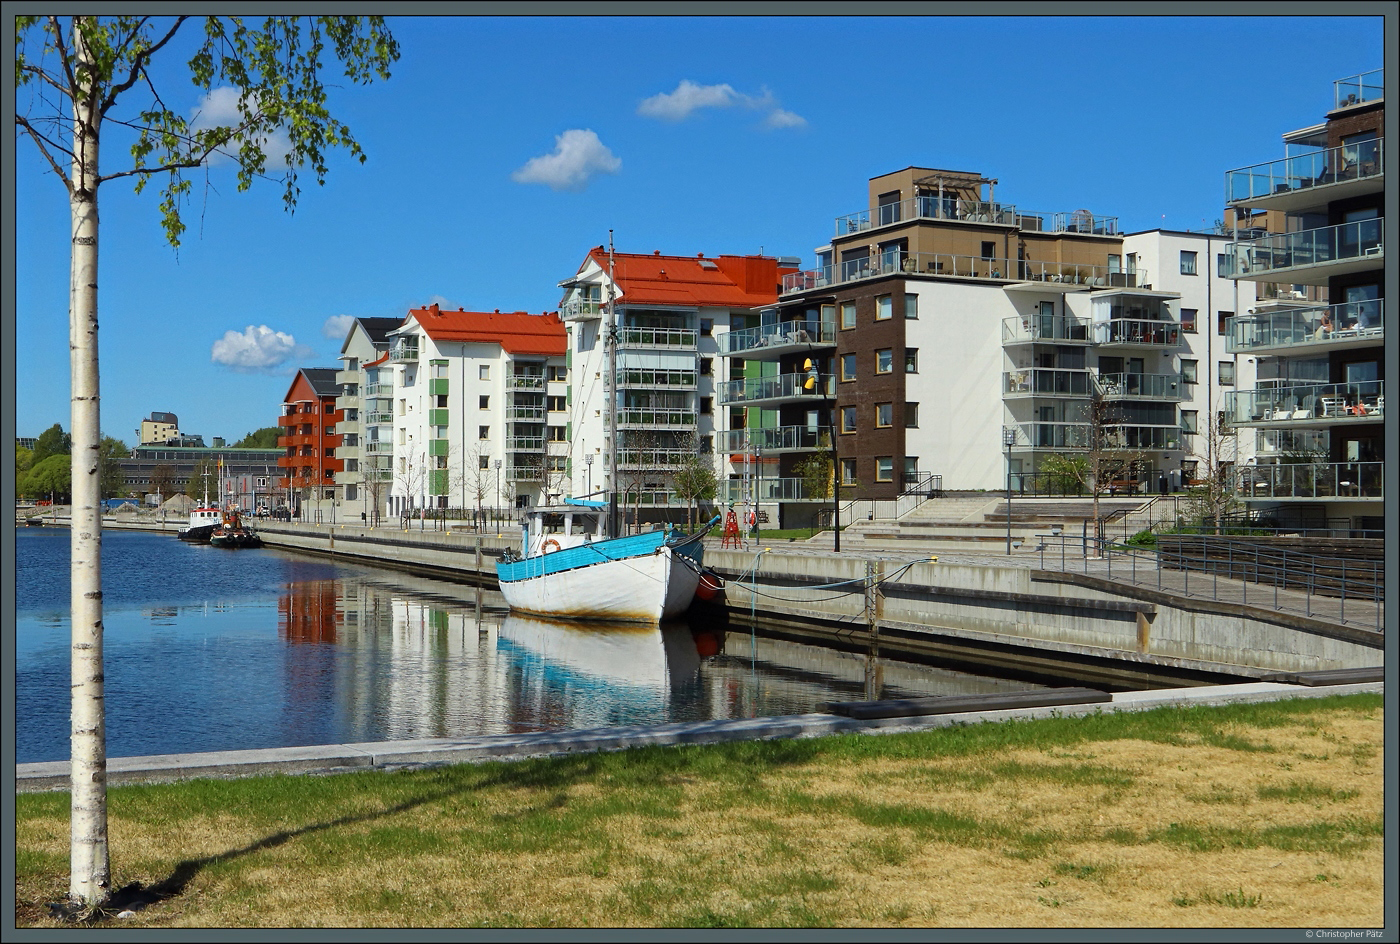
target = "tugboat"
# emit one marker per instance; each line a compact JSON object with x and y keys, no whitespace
{"x":232,"y":533}
{"x":203,"y":520}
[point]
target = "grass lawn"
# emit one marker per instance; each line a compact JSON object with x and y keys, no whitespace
{"x":1266,"y":815}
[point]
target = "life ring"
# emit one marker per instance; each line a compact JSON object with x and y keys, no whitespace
{"x":549,"y":545}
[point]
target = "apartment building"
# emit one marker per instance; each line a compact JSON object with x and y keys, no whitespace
{"x":471,"y":408}
{"x":958,"y":336}
{"x":158,"y":428}
{"x":671,"y":312}
{"x":367,"y":471}
{"x":1315,"y":407}
{"x":309,"y":439}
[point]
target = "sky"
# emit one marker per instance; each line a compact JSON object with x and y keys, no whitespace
{"x":502,"y":150}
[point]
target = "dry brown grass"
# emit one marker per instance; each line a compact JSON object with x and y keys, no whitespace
{"x":1242,"y":826}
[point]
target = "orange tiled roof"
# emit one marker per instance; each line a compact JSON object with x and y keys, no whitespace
{"x":727,"y":282}
{"x":517,"y":332}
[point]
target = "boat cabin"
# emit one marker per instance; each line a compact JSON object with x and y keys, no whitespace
{"x":554,"y":527}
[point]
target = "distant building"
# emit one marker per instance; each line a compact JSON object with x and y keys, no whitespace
{"x":26,"y":442}
{"x":249,"y":474}
{"x":309,"y":440}
{"x":159,"y":428}
{"x":367,"y":470}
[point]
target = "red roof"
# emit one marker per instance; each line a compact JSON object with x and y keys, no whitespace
{"x":517,"y":332}
{"x":692,"y":281}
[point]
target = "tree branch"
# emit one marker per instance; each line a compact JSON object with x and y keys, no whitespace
{"x":138,"y":66}
{"x":40,"y":141}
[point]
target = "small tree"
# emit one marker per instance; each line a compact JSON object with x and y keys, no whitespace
{"x":1107,"y":457}
{"x":696,"y":481}
{"x":113,"y":478}
{"x":52,"y":477}
{"x":1215,"y":496}
{"x":52,"y":442}
{"x":163,"y":481}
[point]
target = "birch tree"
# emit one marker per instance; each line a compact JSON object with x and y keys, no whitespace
{"x":78,"y":77}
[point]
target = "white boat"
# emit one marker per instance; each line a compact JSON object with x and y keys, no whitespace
{"x":203,"y":521}
{"x":568,"y":568}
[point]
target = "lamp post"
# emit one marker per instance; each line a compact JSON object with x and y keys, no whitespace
{"x":813,"y":383}
{"x":498,"y":491}
{"x":588,"y":464}
{"x":1008,"y":439}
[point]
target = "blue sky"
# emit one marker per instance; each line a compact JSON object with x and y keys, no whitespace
{"x":502,"y":150}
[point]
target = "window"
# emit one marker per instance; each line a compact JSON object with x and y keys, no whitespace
{"x":848,"y":471}
{"x":911,"y":306}
{"x":884,"y":414}
{"x":848,"y":367}
{"x":707,"y":405}
{"x":330,"y":407}
{"x":558,"y":374}
{"x":484,"y":401}
{"x":1222,"y":265}
{"x":1220,"y":317}
{"x":848,"y":419}
{"x":705,"y":364}
{"x":1188,"y":263}
{"x":848,"y":315}
{"x":556,"y":434}
{"x":1188,"y":320}
{"x":558,"y":463}
{"x":707,"y":445}
{"x":483,"y":432}
{"x":483,"y":462}
{"x":441,"y":401}
{"x":911,"y":416}
{"x":330,"y":453}
{"x":884,"y":307}
{"x":440,"y":369}
{"x":911,"y":360}
{"x":330,"y":430}
{"x":403,"y":406}
{"x":989,"y":250}
{"x":556,"y":404}
{"x":1227,"y":373}
{"x":884,"y":468}
{"x":884,"y":360}
{"x":1189,"y":420}
{"x":707,"y":327}
{"x":1188,"y":371}
{"x":484,"y":372}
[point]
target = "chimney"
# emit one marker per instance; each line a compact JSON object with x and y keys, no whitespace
{"x":434,"y":309}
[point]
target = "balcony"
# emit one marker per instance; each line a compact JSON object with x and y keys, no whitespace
{"x":581,"y":309}
{"x":1356,"y":89}
{"x":1080,"y":222}
{"x":767,"y":490}
{"x":776,"y":388}
{"x":379,"y":419}
{"x":524,"y":473}
{"x":1307,"y":405}
{"x":1310,"y":257}
{"x":646,"y":379}
{"x":379,"y":390}
{"x":532,"y":413}
{"x":774,"y":439}
{"x":1046,"y":382}
{"x":1079,"y":436}
{"x":517,"y":382}
{"x":1136,"y":333}
{"x":652,"y":417}
{"x":404,"y":353}
{"x":1141,"y":387}
{"x":1029,"y":329}
{"x":653,"y":458}
{"x":948,"y":208}
{"x":1299,"y":330}
{"x":525,"y":444}
{"x":771,"y":341}
{"x":1311,"y":481}
{"x":378,"y":448}
{"x":1024,"y":274}
{"x":671,"y":339}
{"x":1309,"y":180}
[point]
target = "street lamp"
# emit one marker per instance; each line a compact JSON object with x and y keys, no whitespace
{"x":813,"y":383}
{"x":588,"y":463}
{"x":498,"y":490}
{"x":1008,"y":439}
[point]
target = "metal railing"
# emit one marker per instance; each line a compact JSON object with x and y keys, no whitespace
{"x":1311,"y":480}
{"x":767,"y":490}
{"x":657,"y":337}
{"x":1047,"y":382}
{"x":1363,"y":239}
{"x":1304,"y":171}
{"x":655,"y":417}
{"x":1306,"y":403}
{"x":774,"y":438}
{"x":918,"y":487}
{"x":403,"y":352}
{"x":1053,"y":435}
{"x":380,"y":389}
{"x":1145,"y":386}
{"x":648,"y":378}
{"x":1350,"y":321}
{"x":772,"y":388}
{"x":535,"y":413}
{"x":1036,"y":327}
{"x":1355,"y":89}
{"x":776,"y":335}
{"x":576,"y":308}
{"x":953,"y":265}
{"x":525,"y":381}
{"x":1285,"y":580}
{"x":927,"y":207}
{"x":1137,"y":332}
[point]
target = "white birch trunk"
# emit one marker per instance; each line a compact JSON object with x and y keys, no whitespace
{"x":90,"y":877}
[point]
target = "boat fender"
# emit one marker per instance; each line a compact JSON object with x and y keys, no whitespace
{"x":550,"y":545}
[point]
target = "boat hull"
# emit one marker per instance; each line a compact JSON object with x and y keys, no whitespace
{"x":606,"y":580}
{"x":199,"y":535}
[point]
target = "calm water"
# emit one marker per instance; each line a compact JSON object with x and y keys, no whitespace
{"x":208,"y":649}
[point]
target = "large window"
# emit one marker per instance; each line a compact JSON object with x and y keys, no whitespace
{"x":848,"y":471}
{"x":911,"y":415}
{"x":1188,"y":263}
{"x":848,"y":367}
{"x":483,"y":372}
{"x":884,"y":414}
{"x":911,"y":360}
{"x":884,"y":360}
{"x":1188,"y":371}
{"x":911,"y":305}
{"x":884,"y":468}
{"x":848,"y":315}
{"x":1189,"y":421}
{"x":1227,"y":373}
{"x":1188,"y":320}
{"x":848,"y":419}
{"x":484,"y":401}
{"x":483,"y":432}
{"x":884,"y":307}
{"x":1220,"y":319}
{"x":556,"y":404}
{"x":556,"y":434}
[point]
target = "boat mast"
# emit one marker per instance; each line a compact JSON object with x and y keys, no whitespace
{"x":610,"y":389}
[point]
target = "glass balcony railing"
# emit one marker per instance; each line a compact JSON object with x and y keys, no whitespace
{"x":517,"y":413}
{"x":1134,"y":332}
{"x":1259,"y":258}
{"x":777,"y":335}
{"x":1079,"y":221}
{"x":379,"y":448}
{"x":656,"y":337}
{"x":379,"y":390}
{"x":647,"y":378}
{"x":1311,"y":480}
{"x":1145,"y":386}
{"x":655,"y":417}
{"x":1081,"y":436}
{"x":1035,"y":327}
{"x":952,"y":265}
{"x":525,"y":444}
{"x":927,"y":207}
{"x":653,"y":458}
{"x":379,"y":419}
{"x":1355,"y":89}
{"x":767,"y":490}
{"x":1047,"y":382}
{"x":1350,"y":321}
{"x":772,"y":388}
{"x":1306,"y":403}
{"x":1304,"y":171}
{"x":524,"y":473}
{"x":525,"y":382}
{"x":580,"y":309}
{"x":403,"y":352}
{"x":773,"y":439}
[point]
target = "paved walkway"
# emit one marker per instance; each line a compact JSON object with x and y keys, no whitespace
{"x":339,"y":758}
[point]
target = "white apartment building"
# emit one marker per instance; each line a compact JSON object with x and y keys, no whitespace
{"x":364,"y":480}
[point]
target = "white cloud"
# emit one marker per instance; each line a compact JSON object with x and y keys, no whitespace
{"x":255,"y":349}
{"x":337,"y":327}
{"x":690,"y":96}
{"x":578,"y":156}
{"x":687,"y":97}
{"x":219,"y":108}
